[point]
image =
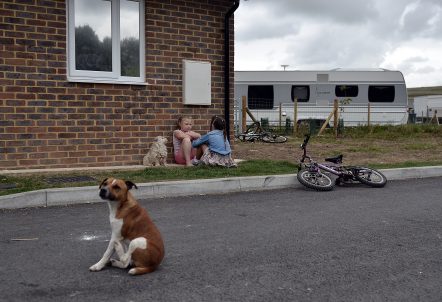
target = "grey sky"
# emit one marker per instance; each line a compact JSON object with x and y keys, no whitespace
{"x":97,"y":14}
{"x":403,"y":35}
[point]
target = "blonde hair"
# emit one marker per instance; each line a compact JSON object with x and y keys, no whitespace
{"x":180,"y":119}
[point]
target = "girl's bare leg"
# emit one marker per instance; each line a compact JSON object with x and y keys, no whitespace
{"x":186,"y":147}
{"x":200,"y":151}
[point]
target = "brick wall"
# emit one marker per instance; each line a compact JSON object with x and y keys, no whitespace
{"x":47,"y":122}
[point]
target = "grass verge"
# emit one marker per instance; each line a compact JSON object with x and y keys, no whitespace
{"x":27,"y":183}
{"x":371,"y":144}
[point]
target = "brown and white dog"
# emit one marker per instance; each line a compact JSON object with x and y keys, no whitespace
{"x":135,"y":238}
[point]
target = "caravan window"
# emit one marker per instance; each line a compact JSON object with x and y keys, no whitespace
{"x":348,"y":91}
{"x":302,"y":93}
{"x":383,"y":94}
{"x":260,"y":97}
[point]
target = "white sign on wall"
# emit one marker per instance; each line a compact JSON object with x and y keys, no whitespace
{"x":197,"y":83}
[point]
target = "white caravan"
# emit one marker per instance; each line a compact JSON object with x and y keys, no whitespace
{"x":425,"y":107}
{"x":316,"y":91}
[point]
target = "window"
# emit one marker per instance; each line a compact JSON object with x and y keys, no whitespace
{"x":346,"y":90}
{"x":260,"y":97}
{"x":106,"y":41}
{"x":302,"y":93}
{"x":382,"y":94}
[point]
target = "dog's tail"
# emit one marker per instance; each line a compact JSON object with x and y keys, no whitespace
{"x":142,"y":270}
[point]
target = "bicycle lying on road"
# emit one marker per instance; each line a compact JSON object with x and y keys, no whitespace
{"x":315,"y":175}
{"x":255,"y":132}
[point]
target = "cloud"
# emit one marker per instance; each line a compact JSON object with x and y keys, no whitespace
{"x":256,"y":23}
{"x":420,"y":20}
{"x":323,"y":34}
{"x":419,"y":60}
{"x":341,"y":11}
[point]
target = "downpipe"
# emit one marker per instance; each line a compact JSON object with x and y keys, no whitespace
{"x":227,"y":65}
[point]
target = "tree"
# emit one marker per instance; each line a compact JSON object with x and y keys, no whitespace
{"x":130,"y":57}
{"x":90,"y":52}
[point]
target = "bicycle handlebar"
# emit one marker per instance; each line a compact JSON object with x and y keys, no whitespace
{"x":304,"y":148}
{"x":306,"y":139}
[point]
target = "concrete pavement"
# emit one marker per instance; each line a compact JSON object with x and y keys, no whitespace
{"x":68,"y":196}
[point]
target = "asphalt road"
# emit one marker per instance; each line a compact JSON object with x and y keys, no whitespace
{"x":352,"y":244}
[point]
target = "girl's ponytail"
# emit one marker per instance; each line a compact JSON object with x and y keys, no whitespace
{"x":219,"y":124}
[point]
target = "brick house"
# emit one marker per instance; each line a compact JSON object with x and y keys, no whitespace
{"x":88,"y":83}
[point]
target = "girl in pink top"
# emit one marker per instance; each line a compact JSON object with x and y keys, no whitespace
{"x":182,"y":141}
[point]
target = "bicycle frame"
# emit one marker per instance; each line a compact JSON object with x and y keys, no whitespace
{"x":317,"y":167}
{"x":310,"y":173}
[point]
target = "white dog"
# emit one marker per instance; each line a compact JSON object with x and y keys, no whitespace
{"x":157,"y":154}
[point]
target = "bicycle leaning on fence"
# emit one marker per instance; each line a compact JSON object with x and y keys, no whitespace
{"x":315,"y":175}
{"x":255,"y":132}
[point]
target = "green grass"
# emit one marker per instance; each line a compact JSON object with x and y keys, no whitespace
{"x":393,"y":132}
{"x":362,"y":138}
{"x":359,"y":140}
{"x":419,"y":146}
{"x":248,"y":168}
{"x":370,"y":149}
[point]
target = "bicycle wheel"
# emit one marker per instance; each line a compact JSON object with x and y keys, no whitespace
{"x":254,"y":128}
{"x":314,"y":180}
{"x":273,"y":138}
{"x":370,"y":177}
{"x":241,"y":137}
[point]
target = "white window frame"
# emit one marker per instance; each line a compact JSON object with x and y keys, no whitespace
{"x":90,"y":76}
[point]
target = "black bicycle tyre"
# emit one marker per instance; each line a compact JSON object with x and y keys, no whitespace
{"x":241,"y":137}
{"x":273,"y":139}
{"x":361,"y":172}
{"x":309,"y":180}
{"x":250,"y":138}
{"x":254,"y":128}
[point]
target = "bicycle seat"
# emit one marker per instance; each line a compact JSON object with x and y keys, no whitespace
{"x":336,"y":159}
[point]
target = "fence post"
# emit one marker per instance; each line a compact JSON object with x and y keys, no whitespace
{"x":336,"y":117}
{"x":280,"y":116}
{"x":434,"y":119}
{"x":368,"y":114}
{"x":244,"y":114}
{"x":295,"y":116}
{"x":332,"y":113}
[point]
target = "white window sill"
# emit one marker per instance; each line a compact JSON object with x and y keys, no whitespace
{"x":105,"y":81}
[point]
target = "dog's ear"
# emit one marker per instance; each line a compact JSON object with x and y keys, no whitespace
{"x":104,"y":180}
{"x":130,"y":185}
